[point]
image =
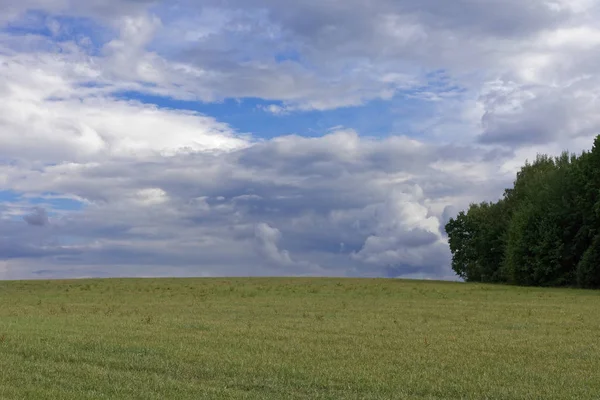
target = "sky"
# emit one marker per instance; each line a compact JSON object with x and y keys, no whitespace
{"x":268,"y":138}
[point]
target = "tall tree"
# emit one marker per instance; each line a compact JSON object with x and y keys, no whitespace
{"x":545,"y":231}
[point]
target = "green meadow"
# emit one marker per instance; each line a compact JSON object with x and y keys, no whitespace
{"x":284,"y":338}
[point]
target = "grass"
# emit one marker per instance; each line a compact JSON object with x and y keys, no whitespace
{"x":296,"y":339}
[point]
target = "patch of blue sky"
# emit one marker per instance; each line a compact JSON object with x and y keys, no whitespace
{"x":376,"y":118}
{"x":50,"y":201}
{"x":59,"y":28}
{"x":288,"y":55}
{"x":250,"y":115}
{"x":57,"y":203}
{"x":9,"y":196}
{"x":13,"y":204}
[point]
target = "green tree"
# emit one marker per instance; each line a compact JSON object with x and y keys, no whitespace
{"x":476,"y":240}
{"x":588,"y":270}
{"x":545,"y":231}
{"x":460,"y":238}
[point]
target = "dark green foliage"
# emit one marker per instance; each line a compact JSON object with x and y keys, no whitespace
{"x":460,"y":237}
{"x":477,"y":242}
{"x":545,"y":231}
{"x":588,"y":271}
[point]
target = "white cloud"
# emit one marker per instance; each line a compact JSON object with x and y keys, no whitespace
{"x":47,"y":116}
{"x":267,"y":239}
{"x":151,"y":196}
{"x":275,"y":109}
{"x":405,"y":233}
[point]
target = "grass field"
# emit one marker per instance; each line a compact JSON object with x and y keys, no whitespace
{"x":296,"y":339}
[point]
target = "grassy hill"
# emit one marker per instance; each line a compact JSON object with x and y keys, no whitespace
{"x":296,"y":339}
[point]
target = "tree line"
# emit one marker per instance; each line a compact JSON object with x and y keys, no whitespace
{"x":544,"y":231}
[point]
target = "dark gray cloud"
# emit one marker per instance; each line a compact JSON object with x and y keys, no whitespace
{"x":39,"y":217}
{"x":501,"y":18}
{"x":20,"y":241}
{"x":358,"y":211}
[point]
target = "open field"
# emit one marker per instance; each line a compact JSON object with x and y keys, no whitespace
{"x":296,"y":339}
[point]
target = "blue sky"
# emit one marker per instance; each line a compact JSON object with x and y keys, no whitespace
{"x":251,"y":115}
{"x":316,"y":138}
{"x":55,"y":203}
{"x":376,"y":117}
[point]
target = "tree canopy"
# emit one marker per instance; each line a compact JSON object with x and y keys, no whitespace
{"x":544,"y":231}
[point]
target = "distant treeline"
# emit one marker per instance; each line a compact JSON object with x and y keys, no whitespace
{"x":545,"y":231}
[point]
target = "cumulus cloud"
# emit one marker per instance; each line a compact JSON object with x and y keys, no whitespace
{"x":48,"y":116}
{"x":275,"y":207}
{"x":267,"y":238}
